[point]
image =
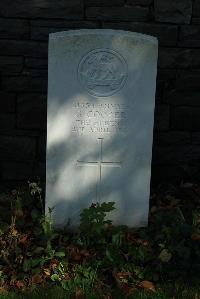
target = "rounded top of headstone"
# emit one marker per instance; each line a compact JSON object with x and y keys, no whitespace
{"x":104,"y":32}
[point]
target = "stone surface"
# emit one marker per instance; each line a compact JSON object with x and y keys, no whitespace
{"x":189,"y":36}
{"x":42,"y":9}
{"x":172,"y":138}
{"x":179,"y":58}
{"x":31,"y":111}
{"x":104,"y":2}
{"x":185,"y":118}
{"x":22,"y":147}
{"x":25,"y":48}
{"x":196,"y":8}
{"x":24,"y":83}
{"x":16,"y":171}
{"x":162,"y":117}
{"x":118,"y":13}
{"x":166,"y":34}
{"x":139,"y":2}
{"x":16,"y":29}
{"x":101,"y":93}
{"x":11,"y":65}
{"x":173,"y":11}
{"x":196,"y":138}
{"x":7,"y":101}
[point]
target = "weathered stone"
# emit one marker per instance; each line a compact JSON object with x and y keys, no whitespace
{"x":24,"y":83}
{"x":11,"y":64}
{"x":41,"y":151}
{"x":42,"y":9}
{"x":17,"y":148}
{"x":188,"y":80}
{"x":185,"y":118}
{"x":40,"y":29}
{"x":189,"y":36}
{"x":179,"y":58}
{"x":139,"y":2}
{"x":7,"y":122}
{"x":39,"y":170}
{"x":166,"y":34}
{"x":160,"y":85}
{"x":31,"y":110}
{"x":166,"y":74}
{"x":176,"y":154}
{"x":196,"y":137}
{"x":36,"y":63}
{"x":161,"y":117}
{"x":42,"y":73}
{"x":16,"y":171}
{"x":173,"y":11}
{"x":25,"y":48}
{"x":104,"y":2}
{"x":118,"y":13}
{"x":14,"y":28}
{"x":166,"y":173}
{"x":7,"y":101}
{"x":171,"y":138}
{"x":187,"y":98}
{"x":196,"y":8}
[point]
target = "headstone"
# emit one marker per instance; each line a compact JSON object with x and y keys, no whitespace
{"x":101,"y":98}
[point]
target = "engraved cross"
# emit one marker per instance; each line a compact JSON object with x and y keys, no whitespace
{"x":100,"y":163}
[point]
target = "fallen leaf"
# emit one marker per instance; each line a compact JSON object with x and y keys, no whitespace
{"x":165,"y":256}
{"x":47,"y":272}
{"x":3,"y":290}
{"x":148,"y":285}
{"x":20,"y":284}
{"x":79,"y":294}
{"x":36,"y":279}
{"x":195,"y":237}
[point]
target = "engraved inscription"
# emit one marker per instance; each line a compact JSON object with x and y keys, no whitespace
{"x":100,"y":163}
{"x":102,"y":72}
{"x":105,"y":118}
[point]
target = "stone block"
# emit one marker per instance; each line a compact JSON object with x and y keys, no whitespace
{"x":166,"y":173}
{"x":11,"y":64}
{"x":181,"y":98}
{"x":188,"y":80}
{"x":14,"y":28}
{"x":161,"y":121}
{"x":36,"y":63}
{"x":42,"y":9}
{"x":185,"y":118}
{"x":118,"y":13}
{"x":196,"y":137}
{"x":39,"y":170}
{"x":139,"y":2}
{"x":179,"y":58}
{"x":31,"y":110}
{"x":166,"y":34}
{"x":7,"y":122}
{"x":25,"y":48}
{"x":104,"y":2}
{"x":24,"y":84}
{"x":41,"y":153}
{"x":189,"y":36}
{"x":7,"y":101}
{"x":172,"y":138}
{"x":17,"y":148}
{"x":173,"y":11}
{"x":40,"y":30}
{"x":196,"y":8}
{"x":16,"y":171}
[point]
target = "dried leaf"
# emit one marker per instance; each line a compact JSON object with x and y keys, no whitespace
{"x":47,"y":272}
{"x":36,"y":279}
{"x":20,"y":284}
{"x":79,"y":294}
{"x":3,"y":290}
{"x":195,"y":237}
{"x":148,"y":285}
{"x":165,"y":256}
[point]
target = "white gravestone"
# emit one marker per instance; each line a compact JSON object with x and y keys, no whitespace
{"x":101,"y":98}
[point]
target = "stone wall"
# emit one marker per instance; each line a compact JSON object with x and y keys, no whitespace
{"x":24,"y":29}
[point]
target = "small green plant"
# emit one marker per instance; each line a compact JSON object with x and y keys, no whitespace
{"x":93,"y":223}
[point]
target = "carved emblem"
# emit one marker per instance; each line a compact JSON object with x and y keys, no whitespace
{"x":102,"y":72}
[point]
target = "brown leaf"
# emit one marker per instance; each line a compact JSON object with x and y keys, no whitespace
{"x":79,"y":294}
{"x":20,"y":284}
{"x":195,"y":237}
{"x":3,"y":290}
{"x":36,"y":279}
{"x":23,"y":239}
{"x":47,"y":271}
{"x":148,"y":285}
{"x":19,"y":213}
